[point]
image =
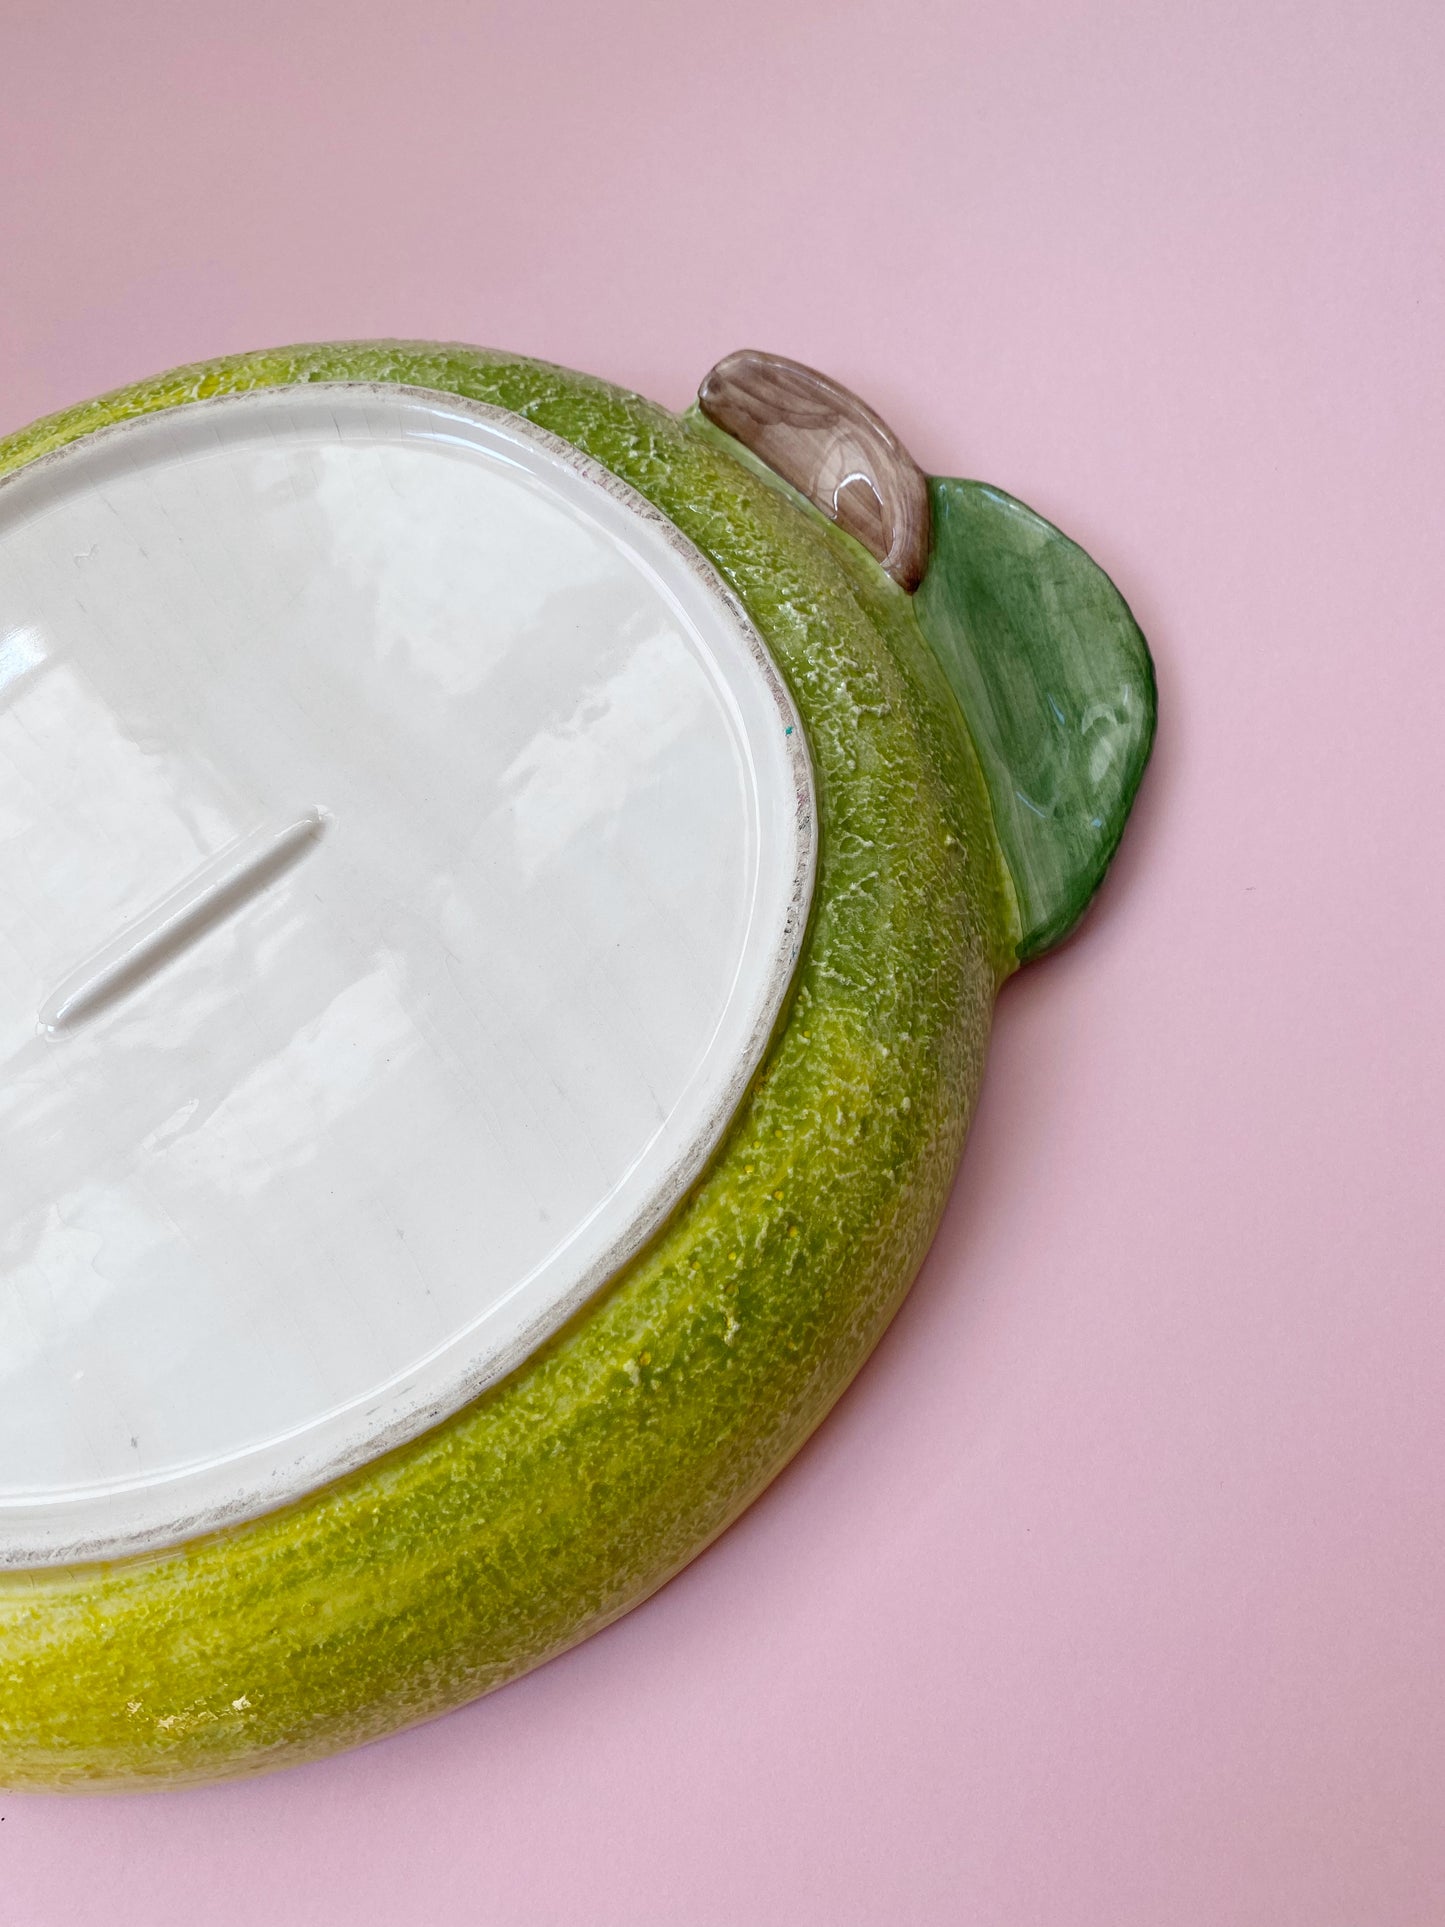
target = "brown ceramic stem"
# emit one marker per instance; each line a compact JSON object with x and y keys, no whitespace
{"x":818,"y":436}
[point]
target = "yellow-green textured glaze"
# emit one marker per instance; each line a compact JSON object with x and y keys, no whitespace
{"x":581,"y":1483}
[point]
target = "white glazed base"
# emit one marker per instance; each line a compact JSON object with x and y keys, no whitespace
{"x":405,"y":842}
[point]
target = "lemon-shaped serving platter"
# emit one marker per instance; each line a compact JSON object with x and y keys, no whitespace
{"x":502,"y":890}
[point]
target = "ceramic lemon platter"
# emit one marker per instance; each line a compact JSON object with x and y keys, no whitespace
{"x":502,"y":892}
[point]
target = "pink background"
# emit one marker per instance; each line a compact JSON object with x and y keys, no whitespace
{"x":1112,"y":1594}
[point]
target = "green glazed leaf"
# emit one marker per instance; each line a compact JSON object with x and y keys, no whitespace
{"x":1057,"y":686}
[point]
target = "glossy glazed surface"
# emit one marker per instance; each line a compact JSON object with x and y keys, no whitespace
{"x":406,"y":849}
{"x":572,"y":1489}
{"x":1056,"y":681}
{"x":822,"y":440}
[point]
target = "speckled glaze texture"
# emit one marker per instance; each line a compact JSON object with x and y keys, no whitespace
{"x":581,"y":1483}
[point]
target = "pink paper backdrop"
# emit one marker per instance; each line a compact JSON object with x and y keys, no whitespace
{"x":1112,"y":1595}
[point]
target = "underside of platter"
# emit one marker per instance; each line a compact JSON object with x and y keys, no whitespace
{"x":405,"y":845}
